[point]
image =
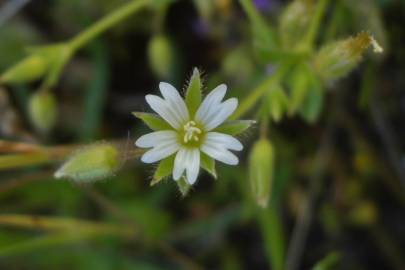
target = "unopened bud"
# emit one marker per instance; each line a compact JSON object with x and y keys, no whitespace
{"x":91,"y":163}
{"x":337,"y":59}
{"x":43,"y":110}
{"x":161,"y":56}
{"x":261,"y":164}
{"x":28,"y":69}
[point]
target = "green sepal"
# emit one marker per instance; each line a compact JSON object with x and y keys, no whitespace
{"x":153,"y":121}
{"x":163,"y":170}
{"x":235,"y":127}
{"x":208,"y":164}
{"x":193,"y":92}
{"x":184,"y":186}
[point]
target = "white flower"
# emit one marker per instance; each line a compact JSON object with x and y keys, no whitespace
{"x":190,"y":134}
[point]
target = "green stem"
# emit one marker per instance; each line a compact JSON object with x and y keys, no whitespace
{"x":107,"y":22}
{"x":273,"y":235}
{"x":259,"y":91}
{"x":315,"y":23}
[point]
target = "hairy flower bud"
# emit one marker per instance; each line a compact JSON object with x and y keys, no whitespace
{"x":337,"y":59}
{"x":43,"y":110}
{"x":261,"y":163}
{"x":91,"y":163}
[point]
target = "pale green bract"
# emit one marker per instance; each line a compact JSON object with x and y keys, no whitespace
{"x":190,"y":133}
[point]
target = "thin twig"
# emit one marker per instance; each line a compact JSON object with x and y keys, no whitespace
{"x":301,"y":229}
{"x":110,"y":207}
{"x":388,"y":138}
{"x":16,"y":182}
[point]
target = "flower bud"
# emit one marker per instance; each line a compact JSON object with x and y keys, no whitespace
{"x":43,"y":110}
{"x":337,"y":59}
{"x":261,"y":163}
{"x":91,"y":163}
{"x":294,"y":22}
{"x":161,"y":56}
{"x":28,"y":69}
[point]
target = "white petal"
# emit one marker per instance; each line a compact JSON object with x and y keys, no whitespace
{"x":193,"y":165}
{"x":155,"y":138}
{"x":160,"y":152}
{"x":223,"y":140}
{"x":162,"y":107}
{"x":180,"y":163}
{"x":176,"y":101}
{"x":220,"y":154}
{"x":210,"y":103}
{"x":227,"y":108}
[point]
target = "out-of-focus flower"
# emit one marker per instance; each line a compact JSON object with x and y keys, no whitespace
{"x":264,"y":5}
{"x":191,"y":129}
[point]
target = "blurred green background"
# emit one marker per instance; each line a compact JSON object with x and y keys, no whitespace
{"x":337,"y":195}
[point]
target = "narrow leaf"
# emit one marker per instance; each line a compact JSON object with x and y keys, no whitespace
{"x":235,"y":127}
{"x":193,"y":93}
{"x":153,"y":121}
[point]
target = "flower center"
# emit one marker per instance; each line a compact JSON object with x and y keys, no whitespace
{"x":191,"y":132}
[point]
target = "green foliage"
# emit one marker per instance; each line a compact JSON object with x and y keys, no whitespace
{"x":329,"y":262}
{"x":276,"y":103}
{"x":235,"y":127}
{"x":264,"y":38}
{"x":28,"y":69}
{"x":153,"y":121}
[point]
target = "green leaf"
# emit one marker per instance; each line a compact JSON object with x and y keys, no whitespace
{"x":153,"y":121}
{"x":163,"y":170}
{"x":273,"y":235}
{"x":312,"y":106}
{"x":235,"y":127}
{"x":193,"y":93}
{"x":329,"y":262}
{"x":299,"y":88}
{"x":184,"y":187}
{"x":208,"y":164}
{"x":277,"y":102}
{"x":264,"y":37}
